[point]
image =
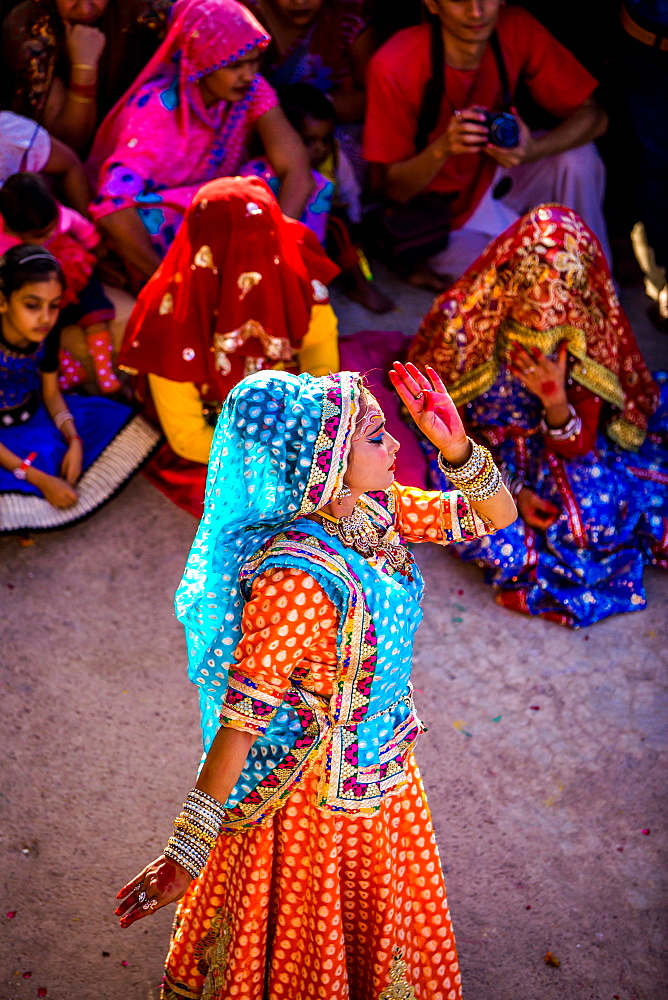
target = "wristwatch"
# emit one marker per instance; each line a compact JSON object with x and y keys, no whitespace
{"x":21,"y":471}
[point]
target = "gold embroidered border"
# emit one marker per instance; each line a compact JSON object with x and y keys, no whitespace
{"x":399,"y":988}
{"x":625,"y":433}
{"x":589,"y":373}
{"x":474,"y":383}
{"x":217,"y":954}
{"x":173,"y":990}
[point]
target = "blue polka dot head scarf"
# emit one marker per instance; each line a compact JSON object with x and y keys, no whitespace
{"x":280,"y":450}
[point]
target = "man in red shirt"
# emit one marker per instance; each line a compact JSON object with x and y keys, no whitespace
{"x":491,"y":186}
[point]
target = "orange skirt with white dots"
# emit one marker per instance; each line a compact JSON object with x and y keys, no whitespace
{"x":320,"y":905}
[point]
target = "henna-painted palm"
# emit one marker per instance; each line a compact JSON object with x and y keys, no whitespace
{"x":429,"y":404}
{"x":539,"y":374}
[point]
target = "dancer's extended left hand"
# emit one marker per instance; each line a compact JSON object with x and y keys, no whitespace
{"x":163,"y":881}
{"x":429,"y":404}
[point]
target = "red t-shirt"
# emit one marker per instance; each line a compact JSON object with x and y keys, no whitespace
{"x":398,"y":75}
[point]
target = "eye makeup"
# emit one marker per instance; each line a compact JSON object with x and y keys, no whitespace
{"x":366,"y":422}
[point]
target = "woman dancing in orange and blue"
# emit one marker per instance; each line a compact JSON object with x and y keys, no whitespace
{"x":305,"y":857}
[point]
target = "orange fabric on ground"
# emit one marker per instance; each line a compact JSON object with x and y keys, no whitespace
{"x":340,"y":902}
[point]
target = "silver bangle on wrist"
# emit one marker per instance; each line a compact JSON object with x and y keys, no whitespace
{"x":61,"y":418}
{"x":196,"y":830}
{"x":568,"y":432}
{"x":513,"y":482}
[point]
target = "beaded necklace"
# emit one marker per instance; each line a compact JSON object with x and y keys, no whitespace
{"x":358,"y":532}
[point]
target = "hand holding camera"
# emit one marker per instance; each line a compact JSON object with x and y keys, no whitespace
{"x":501,"y":134}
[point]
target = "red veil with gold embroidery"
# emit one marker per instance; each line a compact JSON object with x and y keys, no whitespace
{"x":239,"y":280}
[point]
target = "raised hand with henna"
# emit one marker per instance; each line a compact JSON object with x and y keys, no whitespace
{"x":429,"y":404}
{"x":163,"y":881}
{"x":539,"y":374}
{"x":431,"y":407}
{"x":545,"y":378}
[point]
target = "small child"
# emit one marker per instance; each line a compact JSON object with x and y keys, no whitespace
{"x":60,"y":457}
{"x":312,"y":115}
{"x":30,"y":214}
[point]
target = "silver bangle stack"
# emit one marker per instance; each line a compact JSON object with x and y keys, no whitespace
{"x":479,"y":479}
{"x":61,"y":418}
{"x":196,"y":830}
{"x":566,"y":433}
{"x":513,"y":483}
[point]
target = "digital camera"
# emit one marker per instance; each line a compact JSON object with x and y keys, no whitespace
{"x":502,"y":128}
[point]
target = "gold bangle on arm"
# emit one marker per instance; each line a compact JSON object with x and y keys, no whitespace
{"x":79,"y":100}
{"x":196,"y":830}
{"x":478,"y":479}
{"x":93,"y":69}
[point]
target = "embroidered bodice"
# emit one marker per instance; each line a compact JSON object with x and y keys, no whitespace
{"x":20,"y":377}
{"x":322,"y":672}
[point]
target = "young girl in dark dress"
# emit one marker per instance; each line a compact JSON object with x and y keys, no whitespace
{"x":58,"y":460}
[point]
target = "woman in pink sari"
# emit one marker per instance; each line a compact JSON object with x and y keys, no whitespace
{"x":186,"y":120}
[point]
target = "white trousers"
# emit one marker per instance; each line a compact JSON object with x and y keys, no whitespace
{"x":575,"y":178}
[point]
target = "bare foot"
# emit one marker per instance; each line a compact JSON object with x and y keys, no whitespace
{"x":658,"y":311}
{"x":369,"y":296}
{"x":421,"y":276}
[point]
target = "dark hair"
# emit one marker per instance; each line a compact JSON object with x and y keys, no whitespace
{"x":26,"y":204}
{"x":301,"y":100}
{"x":27,"y":263}
{"x":389,"y":16}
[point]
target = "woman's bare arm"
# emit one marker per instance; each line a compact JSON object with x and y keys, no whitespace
{"x":164,"y":880}
{"x":287,"y":155}
{"x":127,"y":235}
{"x":64,"y":165}
{"x":434,"y":412}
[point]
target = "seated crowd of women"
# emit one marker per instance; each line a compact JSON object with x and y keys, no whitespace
{"x":167,"y":103}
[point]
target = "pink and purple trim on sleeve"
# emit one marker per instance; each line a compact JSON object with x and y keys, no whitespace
{"x":248,"y":705}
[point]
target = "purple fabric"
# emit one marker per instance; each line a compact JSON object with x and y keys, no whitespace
{"x":160,"y":143}
{"x":372,"y":353}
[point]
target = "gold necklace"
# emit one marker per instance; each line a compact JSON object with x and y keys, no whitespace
{"x":357,"y":531}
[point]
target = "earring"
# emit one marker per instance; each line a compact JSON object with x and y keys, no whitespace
{"x":342,"y":494}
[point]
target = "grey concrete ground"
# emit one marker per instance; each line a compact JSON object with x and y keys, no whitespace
{"x":545,"y":761}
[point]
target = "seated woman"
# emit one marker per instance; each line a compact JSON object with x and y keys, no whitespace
{"x":67,"y":62}
{"x":323,"y":43}
{"x":58,"y":460}
{"x":186,"y":120}
{"x":242,"y":288}
{"x":533,"y":344}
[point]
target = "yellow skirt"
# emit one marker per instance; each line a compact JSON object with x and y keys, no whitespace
{"x":320,"y":905}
